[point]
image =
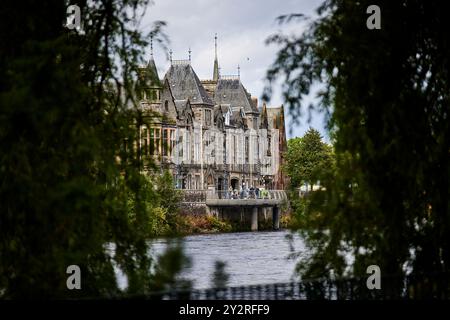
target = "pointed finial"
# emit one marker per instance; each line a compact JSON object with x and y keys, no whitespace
{"x":215,"y":44}
{"x":239,"y":72}
{"x":170,"y":56}
{"x":190,"y":53}
{"x":216,"y":63}
{"x":151,"y":45}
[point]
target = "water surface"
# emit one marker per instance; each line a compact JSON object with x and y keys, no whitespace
{"x":250,"y":257}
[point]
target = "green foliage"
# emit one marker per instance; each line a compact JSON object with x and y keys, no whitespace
{"x":191,"y":224}
{"x":220,"y":277}
{"x":307,"y":158}
{"x":168,"y":268}
{"x":161,"y":200}
{"x":70,"y":179}
{"x":169,"y":197}
{"x":387,"y":93}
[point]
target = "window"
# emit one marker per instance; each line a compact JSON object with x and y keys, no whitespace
{"x":255,"y":123}
{"x":227,"y":118}
{"x":157,"y":141}
{"x":255,"y":149}
{"x":188,"y":145}
{"x":247,"y":151}
{"x":197,"y":182}
{"x":166,"y":106}
{"x":165,"y":146}
{"x":197,"y":147}
{"x":269,"y":146}
{"x":152,"y":141}
{"x":192,"y":147}
{"x":172,"y":141}
{"x":180,"y":146}
{"x":208,"y":117}
{"x":234,"y":150}
{"x":144,"y":141}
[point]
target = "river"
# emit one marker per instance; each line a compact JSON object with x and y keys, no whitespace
{"x":250,"y":257}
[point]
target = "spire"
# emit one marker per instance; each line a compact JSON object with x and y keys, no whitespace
{"x":152,"y":71}
{"x":170,"y":56}
{"x":151,"y":46}
{"x":190,"y":54}
{"x":215,"y":45}
{"x":239,"y":72}
{"x":216,"y":63}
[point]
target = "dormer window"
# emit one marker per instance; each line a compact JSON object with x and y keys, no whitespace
{"x":227,"y":118}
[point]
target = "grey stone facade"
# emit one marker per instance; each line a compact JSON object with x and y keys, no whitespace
{"x":211,"y":134}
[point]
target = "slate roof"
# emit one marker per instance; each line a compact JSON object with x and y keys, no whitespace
{"x":185,"y":84}
{"x":149,"y":74}
{"x":180,"y":105}
{"x":232,"y":91}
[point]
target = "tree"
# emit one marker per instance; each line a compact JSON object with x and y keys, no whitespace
{"x":68,"y":166}
{"x":219,"y":277}
{"x":387,"y":93}
{"x":307,"y":158}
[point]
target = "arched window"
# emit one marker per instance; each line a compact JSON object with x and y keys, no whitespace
{"x":166,"y":105}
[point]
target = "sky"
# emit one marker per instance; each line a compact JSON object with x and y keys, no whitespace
{"x":242,"y":28}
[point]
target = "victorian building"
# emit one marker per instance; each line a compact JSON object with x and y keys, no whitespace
{"x":210,"y":134}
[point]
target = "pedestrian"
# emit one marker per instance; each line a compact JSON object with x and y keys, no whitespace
{"x":252,"y":192}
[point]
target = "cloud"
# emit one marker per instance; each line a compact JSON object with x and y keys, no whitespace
{"x":242,"y":28}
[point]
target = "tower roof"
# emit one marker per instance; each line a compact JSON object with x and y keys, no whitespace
{"x":152,"y":70}
{"x":185,"y":84}
{"x":148,"y":75}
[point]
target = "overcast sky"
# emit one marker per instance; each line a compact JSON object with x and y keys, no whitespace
{"x":242,"y":28}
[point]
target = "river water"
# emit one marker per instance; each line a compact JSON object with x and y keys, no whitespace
{"x":250,"y":257}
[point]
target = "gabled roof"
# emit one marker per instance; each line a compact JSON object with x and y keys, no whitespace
{"x":232,"y":91}
{"x":181,"y":105}
{"x":224,"y":108}
{"x":237,"y":119}
{"x":185,"y":84}
{"x":184,"y":111}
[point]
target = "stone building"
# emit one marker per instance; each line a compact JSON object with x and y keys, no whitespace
{"x":211,"y":134}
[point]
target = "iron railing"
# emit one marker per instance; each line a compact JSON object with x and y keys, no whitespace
{"x":248,"y":194}
{"x":392,"y":288}
{"x":193,"y":196}
{"x":200,"y":196}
